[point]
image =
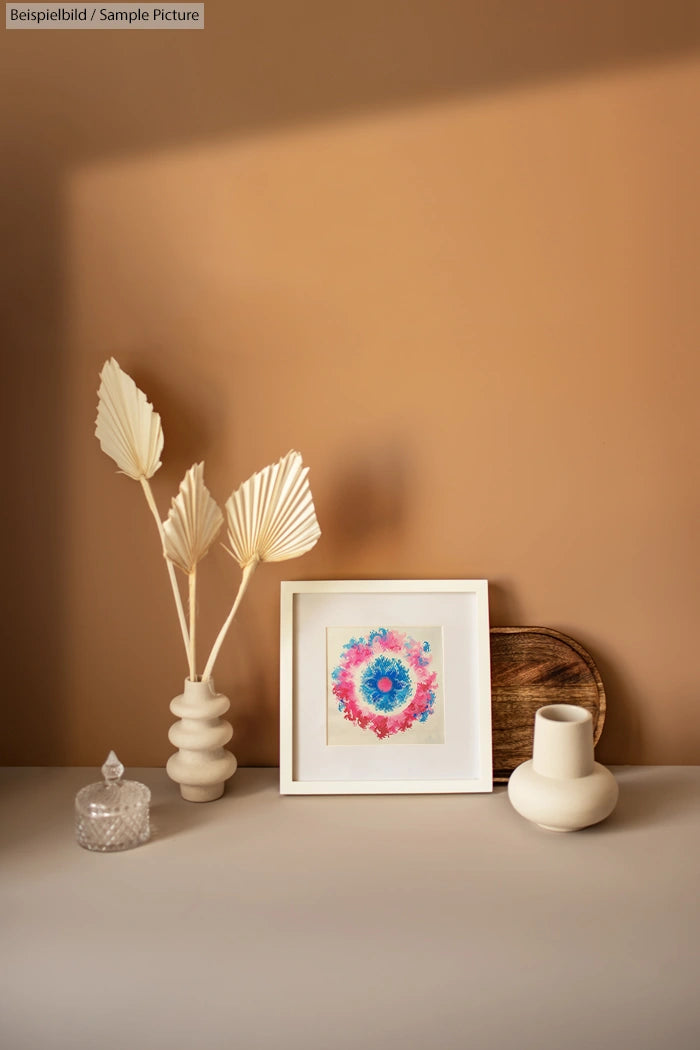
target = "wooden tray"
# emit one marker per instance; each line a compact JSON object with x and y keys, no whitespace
{"x":531,"y":667}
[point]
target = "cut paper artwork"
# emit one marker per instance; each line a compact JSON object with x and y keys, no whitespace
{"x":385,"y":686}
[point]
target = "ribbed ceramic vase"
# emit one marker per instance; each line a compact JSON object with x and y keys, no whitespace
{"x":202,"y":765}
{"x":562,"y":788}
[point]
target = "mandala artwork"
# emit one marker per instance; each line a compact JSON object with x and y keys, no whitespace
{"x":385,"y":682}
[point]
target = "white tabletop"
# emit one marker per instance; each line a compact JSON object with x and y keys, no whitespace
{"x":339,"y":923}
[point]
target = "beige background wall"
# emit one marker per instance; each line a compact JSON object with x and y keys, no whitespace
{"x":449,"y":253}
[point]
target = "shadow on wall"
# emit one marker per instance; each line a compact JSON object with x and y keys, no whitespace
{"x":71,"y":97}
{"x":271,"y":62}
{"x":186,"y":428}
{"x":368,"y":500}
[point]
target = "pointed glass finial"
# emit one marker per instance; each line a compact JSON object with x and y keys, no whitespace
{"x":112,"y":770}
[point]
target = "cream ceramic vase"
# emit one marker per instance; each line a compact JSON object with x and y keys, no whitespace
{"x":202,"y":765}
{"x":562,"y":788}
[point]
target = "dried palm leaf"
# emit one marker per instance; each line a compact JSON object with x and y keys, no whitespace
{"x":193,"y":522}
{"x":271,"y":517}
{"x":189,"y":531}
{"x":127,"y":427}
{"x":129,"y":431}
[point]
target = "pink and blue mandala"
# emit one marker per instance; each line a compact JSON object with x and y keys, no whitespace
{"x":383,"y":683}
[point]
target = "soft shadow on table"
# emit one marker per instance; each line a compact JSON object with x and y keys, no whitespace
{"x":253,"y":780}
{"x":173,"y":815}
{"x":648,"y":797}
{"x":177,"y":816}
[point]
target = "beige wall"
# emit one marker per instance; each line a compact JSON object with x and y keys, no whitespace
{"x":450,"y":257}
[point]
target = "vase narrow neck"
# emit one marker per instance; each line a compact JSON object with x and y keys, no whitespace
{"x":199,"y":689}
{"x":563,"y":744}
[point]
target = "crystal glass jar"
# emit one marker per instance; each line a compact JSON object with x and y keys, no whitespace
{"x":112,"y":815}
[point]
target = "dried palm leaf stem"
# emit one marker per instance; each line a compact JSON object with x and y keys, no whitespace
{"x":148,"y":493}
{"x":248,"y":571}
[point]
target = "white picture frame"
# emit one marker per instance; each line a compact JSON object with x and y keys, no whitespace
{"x":385,"y":687}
